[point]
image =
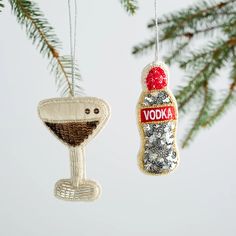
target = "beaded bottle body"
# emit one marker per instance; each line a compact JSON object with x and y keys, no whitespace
{"x":157,"y":119}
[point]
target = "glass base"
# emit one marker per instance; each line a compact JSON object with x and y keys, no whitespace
{"x":87,"y":190}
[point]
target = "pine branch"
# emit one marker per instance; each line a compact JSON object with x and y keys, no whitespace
{"x":143,"y":47}
{"x":199,"y":19}
{"x":42,"y":35}
{"x":224,"y":103}
{"x":203,"y":113}
{"x":176,"y":53}
{"x":148,"y":46}
{"x":188,"y":92}
{"x":1,"y":5}
{"x":163,"y":21}
{"x":62,"y":67}
{"x":207,"y":63}
{"x":230,"y":29}
{"x":131,"y":6}
{"x":198,"y":14}
{"x":183,"y":41}
{"x":215,"y":52}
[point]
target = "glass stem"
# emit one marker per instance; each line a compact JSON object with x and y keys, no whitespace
{"x":77,"y":165}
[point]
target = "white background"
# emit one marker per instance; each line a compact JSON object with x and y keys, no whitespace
{"x":197,"y":199}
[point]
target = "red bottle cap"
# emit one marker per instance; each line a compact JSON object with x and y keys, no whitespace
{"x":156,"y":79}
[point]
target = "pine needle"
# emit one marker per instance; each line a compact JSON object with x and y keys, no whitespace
{"x":202,"y":114}
{"x":131,"y":6}
{"x":44,"y":38}
{"x":224,"y":103}
{"x":1,"y":5}
{"x":63,"y":69}
{"x":144,"y":47}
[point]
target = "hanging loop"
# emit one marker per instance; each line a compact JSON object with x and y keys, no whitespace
{"x":156,"y":33}
{"x":73,"y":42}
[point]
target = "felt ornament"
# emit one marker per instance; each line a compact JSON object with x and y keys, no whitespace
{"x":157,"y":121}
{"x":157,"y":115}
{"x":75,"y":121}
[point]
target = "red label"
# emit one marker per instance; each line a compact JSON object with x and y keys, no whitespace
{"x":158,"y":114}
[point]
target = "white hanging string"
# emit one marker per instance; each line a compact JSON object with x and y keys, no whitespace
{"x":73,"y":42}
{"x":157,"y":33}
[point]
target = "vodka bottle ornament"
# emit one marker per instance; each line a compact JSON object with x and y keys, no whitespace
{"x":157,"y":115}
{"x":157,"y":120}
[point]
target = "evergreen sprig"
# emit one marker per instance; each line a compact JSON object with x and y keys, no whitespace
{"x":1,"y":5}
{"x":42,"y":35}
{"x":226,"y":99}
{"x":202,"y":114}
{"x":131,"y":6}
{"x":62,"y":70}
{"x":215,"y":23}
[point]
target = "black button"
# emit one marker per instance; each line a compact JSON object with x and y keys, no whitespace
{"x":87,"y":111}
{"x":96,"y":110}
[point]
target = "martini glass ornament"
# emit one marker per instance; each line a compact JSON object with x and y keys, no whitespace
{"x":75,"y":121}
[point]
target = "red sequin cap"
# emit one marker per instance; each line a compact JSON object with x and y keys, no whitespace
{"x":156,"y":78}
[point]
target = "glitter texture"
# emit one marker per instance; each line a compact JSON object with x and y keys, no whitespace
{"x":159,"y":150}
{"x":160,"y":155}
{"x":157,"y":98}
